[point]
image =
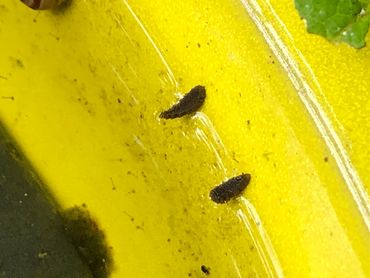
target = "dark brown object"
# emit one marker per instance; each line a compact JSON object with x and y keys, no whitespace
{"x":190,"y":103}
{"x":230,"y":188}
{"x":89,"y":241}
{"x":205,"y":269}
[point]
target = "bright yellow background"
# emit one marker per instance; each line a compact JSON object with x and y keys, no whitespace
{"x":89,"y":82}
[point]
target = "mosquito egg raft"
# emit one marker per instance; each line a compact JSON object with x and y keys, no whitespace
{"x":190,"y":103}
{"x":42,"y":4}
{"x":230,"y":189}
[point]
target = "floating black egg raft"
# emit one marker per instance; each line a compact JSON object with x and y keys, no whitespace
{"x":190,"y":103}
{"x":230,"y":189}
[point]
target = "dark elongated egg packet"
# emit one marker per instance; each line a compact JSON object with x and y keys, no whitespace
{"x":190,"y":103}
{"x":230,"y":189}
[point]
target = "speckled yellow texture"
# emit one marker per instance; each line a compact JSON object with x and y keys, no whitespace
{"x":342,"y":73}
{"x":89,"y":82}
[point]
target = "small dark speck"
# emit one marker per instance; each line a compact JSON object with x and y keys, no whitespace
{"x":189,"y":274}
{"x":84,"y":205}
{"x":234,"y":157}
{"x":11,"y":97}
{"x":248,"y":122}
{"x":205,"y":270}
{"x":326,"y":159}
{"x":19,"y":63}
{"x":119,"y":100}
{"x":168,"y":240}
{"x":198,"y":44}
{"x":267,"y":155}
{"x":57,"y":38}
{"x":143,"y":174}
{"x":34,"y":20}
{"x":113,"y":185}
{"x":273,"y":61}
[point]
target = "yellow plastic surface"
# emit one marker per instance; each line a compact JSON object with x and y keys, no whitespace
{"x":81,"y":89}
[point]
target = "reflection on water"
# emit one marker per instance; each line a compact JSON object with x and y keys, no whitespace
{"x":309,"y":99}
{"x":248,"y":215}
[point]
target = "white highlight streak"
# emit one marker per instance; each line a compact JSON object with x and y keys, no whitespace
{"x":260,"y":239}
{"x":236,"y":267}
{"x":204,"y":138}
{"x":123,"y":29}
{"x":124,"y":83}
{"x":307,"y":96}
{"x":155,"y":46}
{"x":203,"y":118}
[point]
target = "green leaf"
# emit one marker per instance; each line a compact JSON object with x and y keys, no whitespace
{"x":337,"y":20}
